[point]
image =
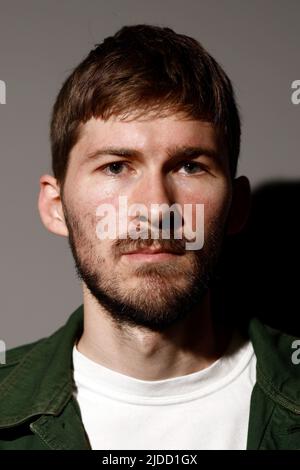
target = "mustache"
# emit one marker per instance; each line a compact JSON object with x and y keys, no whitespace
{"x":177,"y":246}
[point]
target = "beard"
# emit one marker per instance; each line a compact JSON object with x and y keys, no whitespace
{"x":163,"y":294}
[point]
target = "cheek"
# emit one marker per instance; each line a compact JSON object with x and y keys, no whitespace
{"x":90,"y":197}
{"x":216,"y":201}
{"x":97,"y":207}
{"x":217,"y":207}
{"x":83,"y":205}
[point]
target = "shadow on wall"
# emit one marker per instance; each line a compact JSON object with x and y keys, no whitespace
{"x":260,"y":268}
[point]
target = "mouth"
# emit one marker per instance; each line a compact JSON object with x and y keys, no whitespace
{"x":150,"y":255}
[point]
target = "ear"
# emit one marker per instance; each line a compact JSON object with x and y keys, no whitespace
{"x":50,"y":206}
{"x":240,"y":205}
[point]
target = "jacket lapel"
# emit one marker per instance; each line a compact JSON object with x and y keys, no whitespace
{"x":63,"y":432}
{"x":274,"y":421}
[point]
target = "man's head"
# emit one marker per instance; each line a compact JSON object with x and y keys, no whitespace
{"x":149,"y":115}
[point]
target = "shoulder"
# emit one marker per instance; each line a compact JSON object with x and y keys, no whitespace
{"x":43,"y":356}
{"x":267,"y":339}
{"x":278,"y":362}
{"x":11,"y":358}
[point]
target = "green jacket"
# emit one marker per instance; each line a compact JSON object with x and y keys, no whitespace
{"x":38,"y":411}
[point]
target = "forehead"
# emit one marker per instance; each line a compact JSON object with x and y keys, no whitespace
{"x":147,"y":132}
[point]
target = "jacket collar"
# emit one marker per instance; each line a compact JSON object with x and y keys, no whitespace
{"x":42,"y":381}
{"x":276,"y":374}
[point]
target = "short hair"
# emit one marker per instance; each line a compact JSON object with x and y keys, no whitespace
{"x":144,"y":68}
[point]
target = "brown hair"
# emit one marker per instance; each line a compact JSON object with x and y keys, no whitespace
{"x":142,"y":68}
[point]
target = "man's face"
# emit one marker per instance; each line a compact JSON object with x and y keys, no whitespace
{"x":158,"y":167}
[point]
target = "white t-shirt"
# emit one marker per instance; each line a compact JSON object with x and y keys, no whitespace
{"x":208,"y":409}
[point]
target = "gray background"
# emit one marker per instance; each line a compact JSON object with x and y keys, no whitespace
{"x":257,"y":42}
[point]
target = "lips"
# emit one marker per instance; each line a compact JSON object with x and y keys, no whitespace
{"x":149,"y":252}
{"x":163,"y":249}
{"x":150,"y":256}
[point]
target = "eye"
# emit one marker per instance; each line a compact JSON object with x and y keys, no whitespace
{"x":192,"y":168}
{"x":114,"y":168}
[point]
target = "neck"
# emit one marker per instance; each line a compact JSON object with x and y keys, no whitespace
{"x":186,"y":347}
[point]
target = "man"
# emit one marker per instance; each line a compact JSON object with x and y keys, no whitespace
{"x":148,"y":361}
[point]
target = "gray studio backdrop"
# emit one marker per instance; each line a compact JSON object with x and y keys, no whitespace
{"x":256,"y":41}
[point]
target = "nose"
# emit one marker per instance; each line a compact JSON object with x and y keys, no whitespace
{"x":157,"y":194}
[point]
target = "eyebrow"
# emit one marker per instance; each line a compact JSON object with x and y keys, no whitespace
{"x":175,"y":153}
